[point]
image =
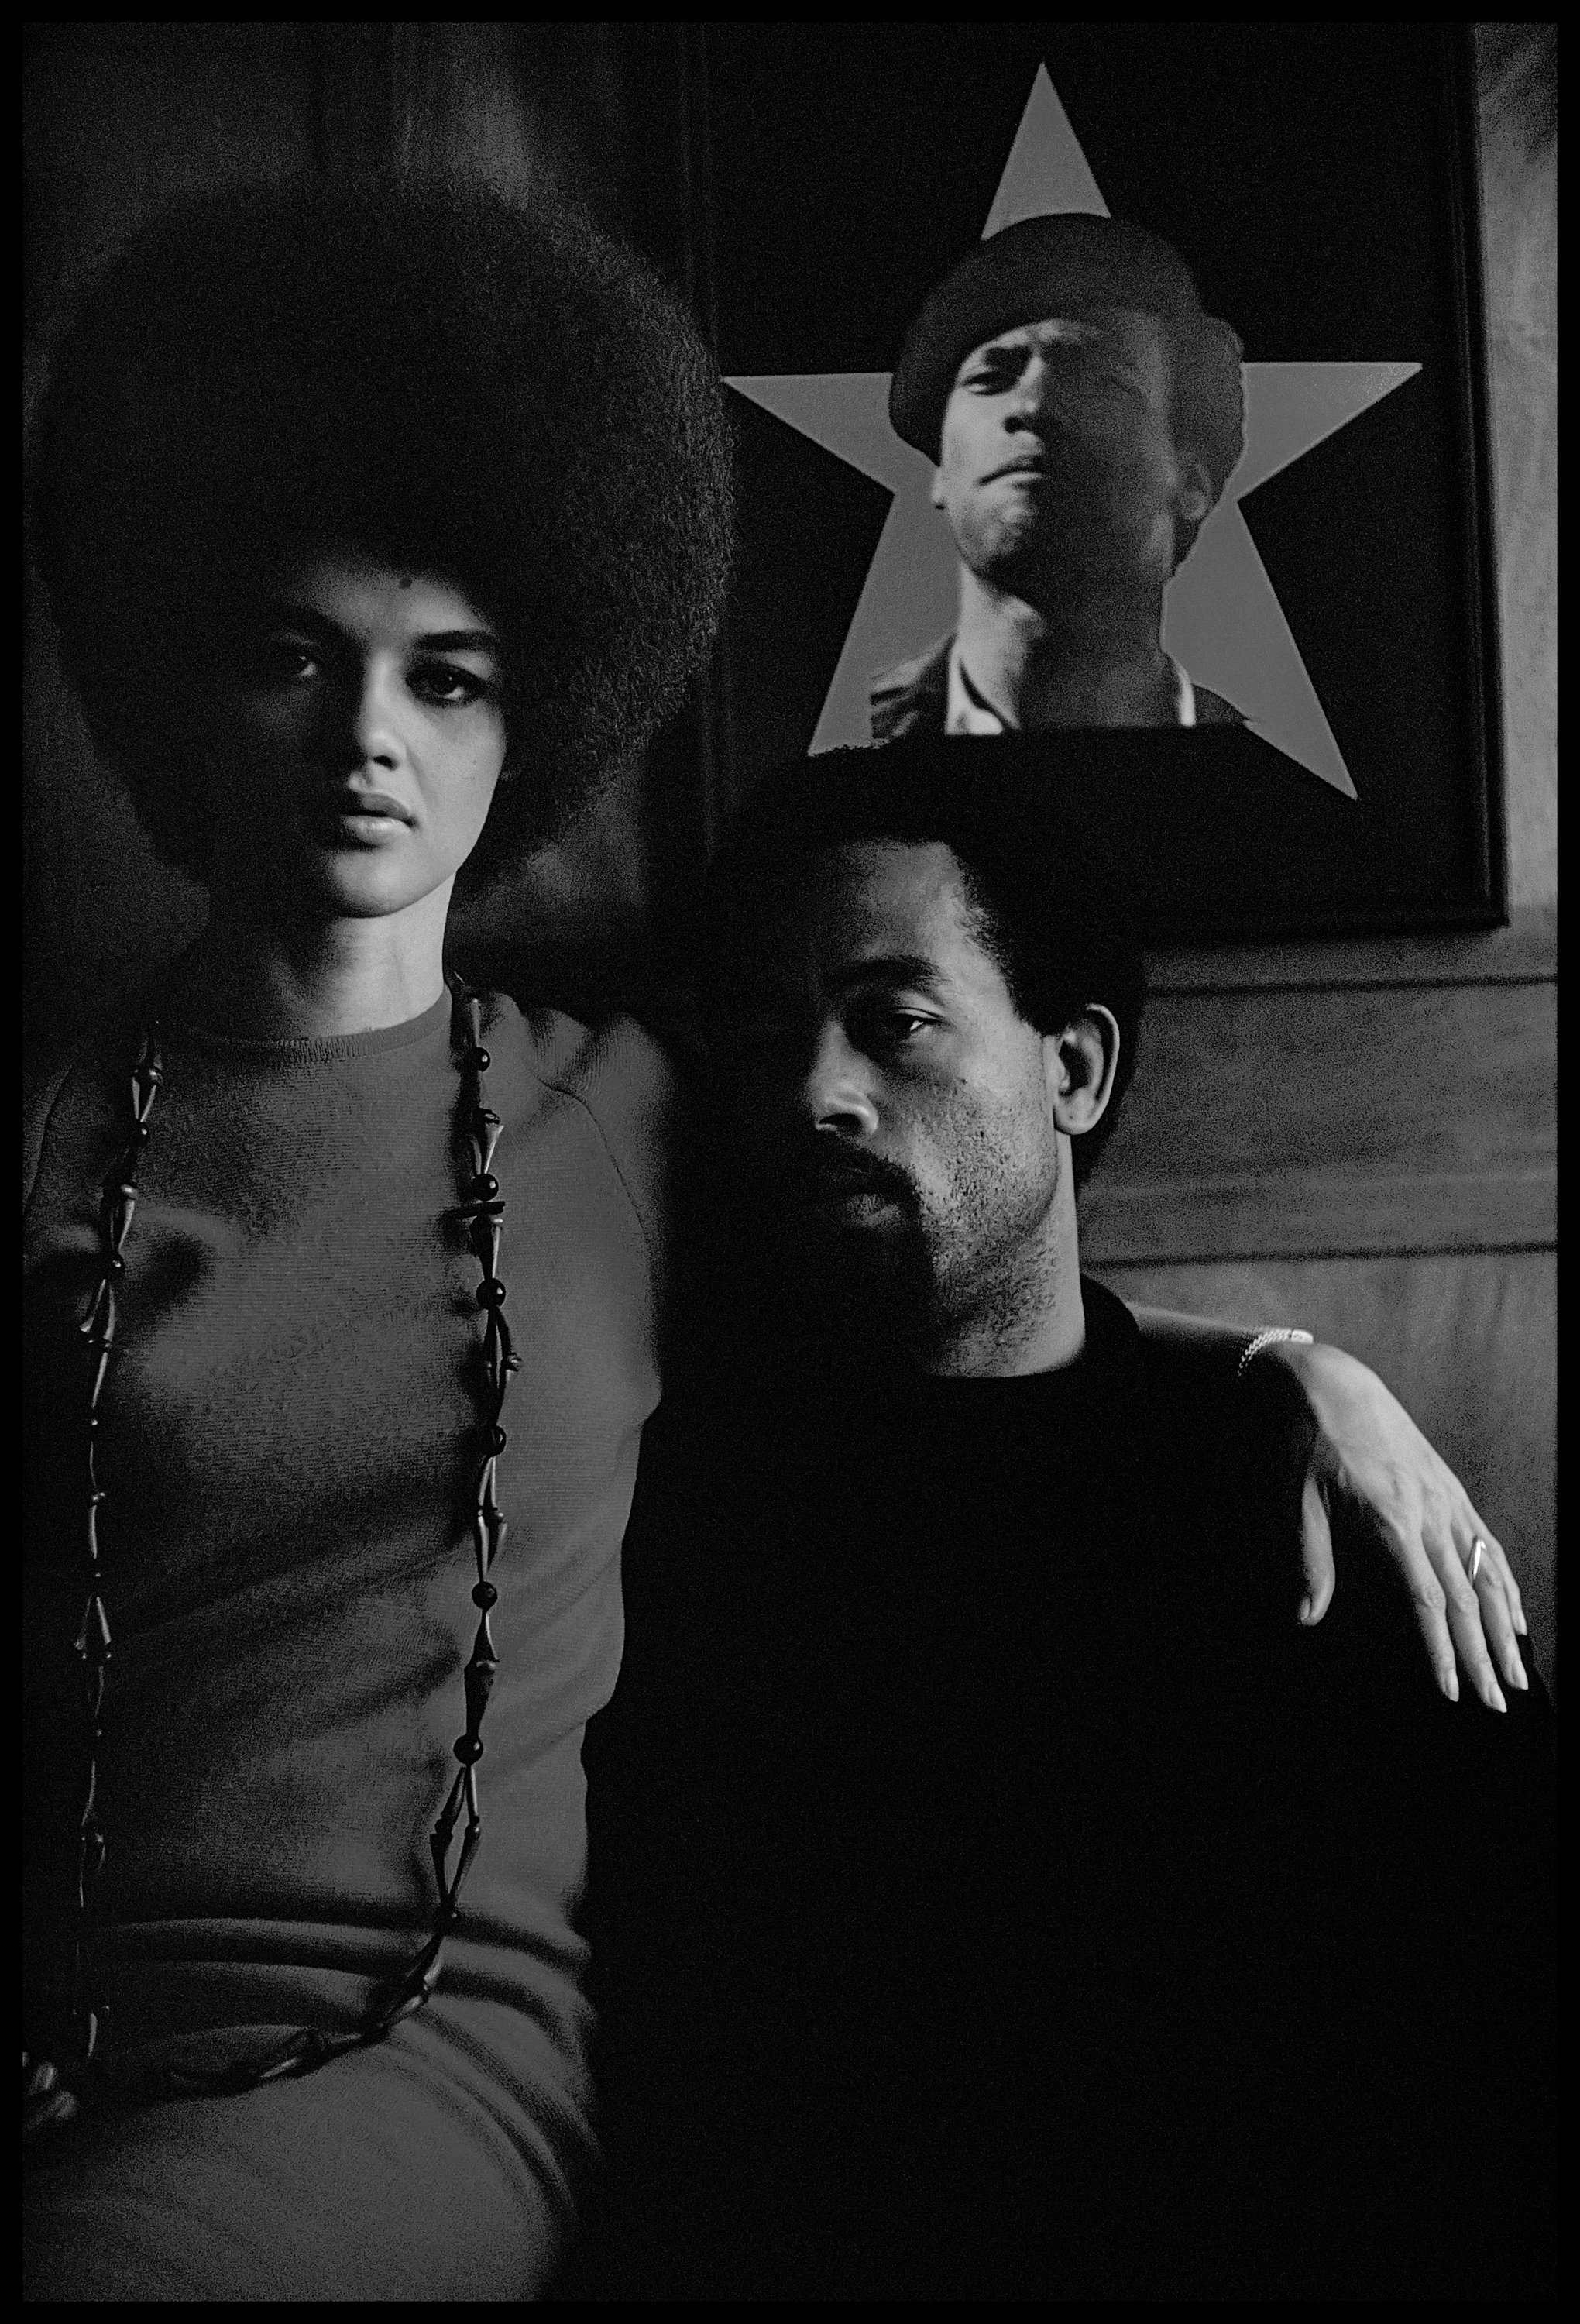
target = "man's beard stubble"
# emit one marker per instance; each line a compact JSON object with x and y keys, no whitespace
{"x":1080,"y":541}
{"x":858,"y":1290}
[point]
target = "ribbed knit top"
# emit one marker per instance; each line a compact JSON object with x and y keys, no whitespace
{"x":287,"y":1449}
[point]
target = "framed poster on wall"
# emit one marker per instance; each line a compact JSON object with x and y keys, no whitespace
{"x":1324,"y":755}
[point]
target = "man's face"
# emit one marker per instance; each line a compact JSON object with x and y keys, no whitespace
{"x":1057,"y":468}
{"x":891,"y":1105}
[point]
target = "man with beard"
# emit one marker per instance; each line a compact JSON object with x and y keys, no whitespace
{"x":1084,"y":412}
{"x":993,"y":1894}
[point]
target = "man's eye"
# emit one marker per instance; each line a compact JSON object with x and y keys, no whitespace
{"x":758,"y":1032}
{"x":1109,"y":379}
{"x":443,"y":683}
{"x":890,"y":1029}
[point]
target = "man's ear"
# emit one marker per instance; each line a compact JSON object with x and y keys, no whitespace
{"x":1080,"y":1064}
{"x":1194,"y":499}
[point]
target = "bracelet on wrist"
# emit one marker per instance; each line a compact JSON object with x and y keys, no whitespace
{"x":1272,"y":1337}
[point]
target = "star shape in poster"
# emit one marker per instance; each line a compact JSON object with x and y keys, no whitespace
{"x":1222,"y":620}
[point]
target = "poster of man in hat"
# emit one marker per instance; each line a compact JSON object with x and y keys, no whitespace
{"x":1083,"y":412}
{"x":1115,"y":392}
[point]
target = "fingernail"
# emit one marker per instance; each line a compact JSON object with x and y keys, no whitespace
{"x":1518,"y":1678}
{"x":1495,"y":1701}
{"x":1451,"y":1686}
{"x":1304,"y":1610}
{"x":1522,"y":1624}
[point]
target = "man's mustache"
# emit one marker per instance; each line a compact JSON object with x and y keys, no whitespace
{"x":822,"y":1168}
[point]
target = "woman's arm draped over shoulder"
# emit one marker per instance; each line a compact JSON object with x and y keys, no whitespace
{"x":1362,"y":1463}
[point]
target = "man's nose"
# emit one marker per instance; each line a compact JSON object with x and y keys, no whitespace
{"x":1037,"y":400}
{"x":834,"y":1093}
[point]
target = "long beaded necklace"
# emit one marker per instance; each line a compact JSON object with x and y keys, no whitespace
{"x":46,"y":2100}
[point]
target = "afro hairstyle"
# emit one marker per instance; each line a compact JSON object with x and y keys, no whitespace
{"x":427,"y":370}
{"x":1048,"y":903}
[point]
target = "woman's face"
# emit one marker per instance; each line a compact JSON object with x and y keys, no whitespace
{"x":358,"y":743}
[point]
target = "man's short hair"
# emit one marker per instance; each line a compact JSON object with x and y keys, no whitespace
{"x":429,"y":372}
{"x":1058,"y":264}
{"x":1048,"y":904}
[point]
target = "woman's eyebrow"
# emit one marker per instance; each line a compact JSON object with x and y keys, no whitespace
{"x":300,"y":617}
{"x":303,"y":617}
{"x":459,"y":642}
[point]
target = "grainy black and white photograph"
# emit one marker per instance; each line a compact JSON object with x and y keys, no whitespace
{"x":789,"y":1401}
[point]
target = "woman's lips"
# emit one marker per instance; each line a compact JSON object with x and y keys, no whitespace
{"x":360,"y":818}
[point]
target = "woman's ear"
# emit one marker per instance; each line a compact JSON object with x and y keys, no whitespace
{"x":1080,"y":1064}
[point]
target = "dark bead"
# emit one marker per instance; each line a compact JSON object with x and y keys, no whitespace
{"x":117,"y":1265}
{"x":490,"y":1291}
{"x":469,"y":1749}
{"x":142,"y":1133}
{"x":497,"y":1438}
{"x":486,"y":1595}
{"x":485,"y":1186}
{"x":482,"y":1060}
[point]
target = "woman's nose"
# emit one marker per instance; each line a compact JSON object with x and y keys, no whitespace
{"x":375,"y":730}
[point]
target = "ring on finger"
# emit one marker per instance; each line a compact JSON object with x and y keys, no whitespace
{"x":1478,"y":1549}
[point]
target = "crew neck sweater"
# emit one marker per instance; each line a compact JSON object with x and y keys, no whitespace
{"x":289,"y":1444}
{"x":996,"y":1895}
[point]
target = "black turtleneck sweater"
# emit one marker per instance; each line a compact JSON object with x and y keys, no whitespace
{"x":996,"y":1894}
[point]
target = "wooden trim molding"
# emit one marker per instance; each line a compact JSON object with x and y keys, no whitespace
{"x":1287,"y":1122}
{"x":1526,"y":952}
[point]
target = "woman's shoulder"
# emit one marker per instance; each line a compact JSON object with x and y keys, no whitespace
{"x":607,"y":1064}
{"x":620,"y":1077}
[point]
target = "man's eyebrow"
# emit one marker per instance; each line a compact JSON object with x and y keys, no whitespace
{"x":899,"y":968}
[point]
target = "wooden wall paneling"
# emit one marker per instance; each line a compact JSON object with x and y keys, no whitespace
{"x":1526,"y":952}
{"x":1291,"y":1122}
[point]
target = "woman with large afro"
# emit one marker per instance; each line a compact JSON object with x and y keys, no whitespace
{"x":381,"y":532}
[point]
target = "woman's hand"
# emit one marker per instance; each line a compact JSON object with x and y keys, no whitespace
{"x":1370,"y":1466}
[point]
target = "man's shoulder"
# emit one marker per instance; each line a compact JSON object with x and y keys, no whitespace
{"x":912,"y":696}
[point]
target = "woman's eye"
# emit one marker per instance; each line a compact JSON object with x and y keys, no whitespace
{"x":286,"y":662}
{"x":442,"y":682}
